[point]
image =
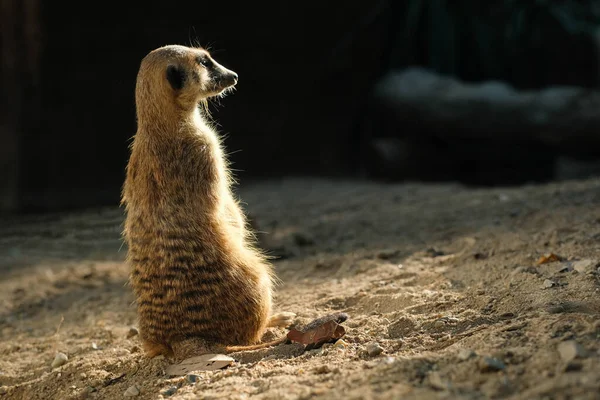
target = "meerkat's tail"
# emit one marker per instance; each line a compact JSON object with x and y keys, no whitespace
{"x":276,"y":342}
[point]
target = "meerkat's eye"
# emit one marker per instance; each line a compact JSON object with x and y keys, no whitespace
{"x":204,"y":61}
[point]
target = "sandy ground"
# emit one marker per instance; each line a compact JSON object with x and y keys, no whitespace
{"x":444,"y":278}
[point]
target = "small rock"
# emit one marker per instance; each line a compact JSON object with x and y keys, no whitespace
{"x":95,"y":346}
{"x":132,"y":332}
{"x":548,"y":283}
{"x":570,"y":350}
{"x":374,"y":349}
{"x":192,"y":378}
{"x":59,"y":359}
{"x":340,"y":344}
{"x":322,"y":369}
{"x":567,"y":267}
{"x":132,"y":391}
{"x":3,"y":390}
{"x":134,"y":349}
{"x":435,"y":381}
{"x":465,"y":354}
{"x":83,"y":375}
{"x":583,"y":266}
{"x":170,"y":391}
{"x":490,"y":364}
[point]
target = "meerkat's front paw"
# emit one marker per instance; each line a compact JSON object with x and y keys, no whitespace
{"x":281,"y":320}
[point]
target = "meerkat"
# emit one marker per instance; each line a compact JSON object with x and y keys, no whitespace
{"x":200,"y":283}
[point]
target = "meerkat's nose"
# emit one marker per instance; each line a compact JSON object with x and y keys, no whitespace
{"x":234,"y":77}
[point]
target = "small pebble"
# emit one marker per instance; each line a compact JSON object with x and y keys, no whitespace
{"x":465,"y":354}
{"x":489,"y":364}
{"x":435,"y":381}
{"x":94,"y":346}
{"x":548,"y":283}
{"x":192,"y":378}
{"x":570,"y":350}
{"x":322,"y":369}
{"x":340,"y":344}
{"x":132,"y":391}
{"x":374,"y":349}
{"x":132,"y":332}
{"x":583,"y":266}
{"x":170,"y":391}
{"x":60,"y":359}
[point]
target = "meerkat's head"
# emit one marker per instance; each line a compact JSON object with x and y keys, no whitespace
{"x":183,"y":76}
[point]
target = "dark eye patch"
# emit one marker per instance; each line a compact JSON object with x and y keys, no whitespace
{"x":176,"y":76}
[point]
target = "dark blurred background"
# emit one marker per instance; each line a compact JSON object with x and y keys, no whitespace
{"x":484,"y":93}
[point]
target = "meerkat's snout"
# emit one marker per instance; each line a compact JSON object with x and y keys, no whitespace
{"x":225,"y":78}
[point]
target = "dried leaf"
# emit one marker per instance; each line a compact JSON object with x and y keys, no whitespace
{"x":320,"y":331}
{"x":206,"y":362}
{"x":548,"y":259}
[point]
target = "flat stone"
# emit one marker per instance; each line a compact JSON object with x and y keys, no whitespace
{"x":548,"y":283}
{"x":584,"y":266}
{"x":132,"y":391}
{"x":570,"y":350}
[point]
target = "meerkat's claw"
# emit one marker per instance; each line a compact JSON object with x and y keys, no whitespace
{"x":281,"y":320}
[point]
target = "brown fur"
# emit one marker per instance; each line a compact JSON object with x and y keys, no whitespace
{"x":199,"y":282}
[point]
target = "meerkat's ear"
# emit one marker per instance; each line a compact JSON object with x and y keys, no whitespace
{"x":176,"y":76}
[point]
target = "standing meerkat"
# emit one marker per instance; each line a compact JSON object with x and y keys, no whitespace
{"x":200,"y":283}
